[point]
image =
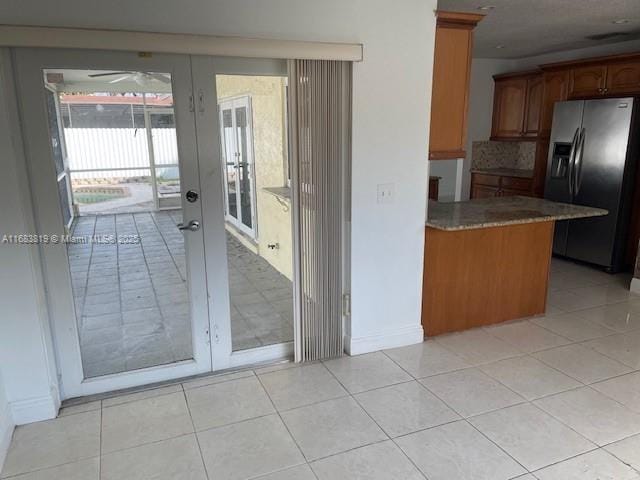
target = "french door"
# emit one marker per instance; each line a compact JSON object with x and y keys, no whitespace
{"x":237,"y":160}
{"x":133,"y":299}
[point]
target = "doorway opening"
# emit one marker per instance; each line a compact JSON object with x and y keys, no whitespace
{"x":253,"y":131}
{"x":116,"y":153}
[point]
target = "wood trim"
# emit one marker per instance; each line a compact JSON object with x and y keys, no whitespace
{"x":447,"y":155}
{"x":525,"y":73}
{"x":458,"y":19}
{"x":82,"y":38}
{"x":590,"y":61}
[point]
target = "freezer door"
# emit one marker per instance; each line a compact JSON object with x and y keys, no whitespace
{"x":567,"y":121}
{"x":599,"y":174}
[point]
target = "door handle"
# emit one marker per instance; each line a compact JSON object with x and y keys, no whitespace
{"x":579,"y":154}
{"x":192,"y":226}
{"x":572,"y":155}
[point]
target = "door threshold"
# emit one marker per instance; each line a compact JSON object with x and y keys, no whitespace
{"x":260,"y":361}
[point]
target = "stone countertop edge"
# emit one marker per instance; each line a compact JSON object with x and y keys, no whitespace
{"x":517,"y":210}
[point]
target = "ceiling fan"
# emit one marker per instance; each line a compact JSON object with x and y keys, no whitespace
{"x":141,"y":78}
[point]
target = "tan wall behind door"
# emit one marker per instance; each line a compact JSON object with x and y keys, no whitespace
{"x":270,"y":157}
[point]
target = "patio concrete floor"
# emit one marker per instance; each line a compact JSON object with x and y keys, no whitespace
{"x":132,"y":300}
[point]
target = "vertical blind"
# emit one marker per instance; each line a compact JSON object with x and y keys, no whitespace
{"x":320,"y":151}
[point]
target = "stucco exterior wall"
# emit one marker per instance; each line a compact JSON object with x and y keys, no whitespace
{"x":269,"y":137}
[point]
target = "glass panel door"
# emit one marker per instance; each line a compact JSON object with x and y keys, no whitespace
{"x":229,"y":161}
{"x":245,"y":114}
{"x":245,"y":174}
{"x":127,"y":287}
{"x":237,"y":161}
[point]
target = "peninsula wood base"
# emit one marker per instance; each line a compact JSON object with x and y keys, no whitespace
{"x":484,"y":276}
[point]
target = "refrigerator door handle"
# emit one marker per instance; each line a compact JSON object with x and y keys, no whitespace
{"x":572,"y":155}
{"x":578,"y":162}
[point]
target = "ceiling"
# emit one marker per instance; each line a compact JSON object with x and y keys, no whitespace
{"x":532,"y":27}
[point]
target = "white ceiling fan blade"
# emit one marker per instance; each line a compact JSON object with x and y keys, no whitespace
{"x":97,"y":75}
{"x":160,"y":77}
{"x":117,"y":80}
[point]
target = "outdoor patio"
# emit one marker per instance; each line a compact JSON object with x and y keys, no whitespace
{"x":132,"y":299}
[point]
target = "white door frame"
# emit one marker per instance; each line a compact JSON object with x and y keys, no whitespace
{"x":29,"y":64}
{"x":233,"y":104}
{"x":209,"y":130}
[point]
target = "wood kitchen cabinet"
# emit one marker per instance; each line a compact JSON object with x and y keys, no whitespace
{"x":587,"y":81}
{"x":451,"y":74}
{"x":606,"y":78}
{"x":623,"y":78}
{"x":517,"y":103}
{"x":485,"y":185}
{"x":555,"y":89}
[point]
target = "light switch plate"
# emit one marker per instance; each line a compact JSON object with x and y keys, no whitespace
{"x":386,"y":192}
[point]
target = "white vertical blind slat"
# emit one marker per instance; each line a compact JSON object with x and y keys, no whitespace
{"x":320,"y":123}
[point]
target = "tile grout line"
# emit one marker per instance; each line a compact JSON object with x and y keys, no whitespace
{"x":467,"y":419}
{"x":281,"y":419}
{"x":389,"y":438}
{"x":195,"y":433}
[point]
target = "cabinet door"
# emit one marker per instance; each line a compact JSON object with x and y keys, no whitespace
{"x":508,"y":108}
{"x":587,"y":81}
{"x":556,"y":89}
{"x":623,"y":78}
{"x":482,"y":191}
{"x":450,"y":93}
{"x":535,"y":90}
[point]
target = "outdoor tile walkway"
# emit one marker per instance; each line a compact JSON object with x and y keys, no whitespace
{"x":132,"y":299}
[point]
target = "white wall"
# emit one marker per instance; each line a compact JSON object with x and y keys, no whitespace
{"x":390,"y":136}
{"x":25,"y":342}
{"x":6,"y":423}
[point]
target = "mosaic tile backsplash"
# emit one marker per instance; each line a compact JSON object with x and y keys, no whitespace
{"x":488,"y":154}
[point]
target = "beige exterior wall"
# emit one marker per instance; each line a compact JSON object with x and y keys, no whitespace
{"x":269,"y":137}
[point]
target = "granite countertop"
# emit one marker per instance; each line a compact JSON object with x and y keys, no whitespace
{"x":504,"y":172}
{"x":500,"y":211}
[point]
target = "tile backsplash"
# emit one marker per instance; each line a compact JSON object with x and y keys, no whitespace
{"x":488,"y":154}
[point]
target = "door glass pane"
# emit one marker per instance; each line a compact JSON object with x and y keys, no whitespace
{"x":260,"y":265}
{"x":244,"y":170}
{"x":164,"y":152}
{"x":127,"y":258}
{"x":229,"y":161}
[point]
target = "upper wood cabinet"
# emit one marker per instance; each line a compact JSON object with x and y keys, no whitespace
{"x":555,"y":89}
{"x":533,"y":112}
{"x":517,"y":102}
{"x":623,"y":78}
{"x":587,"y":81}
{"x":606,"y":78}
{"x":451,"y":74}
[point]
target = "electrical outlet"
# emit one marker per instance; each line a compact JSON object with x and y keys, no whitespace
{"x":386,"y":192}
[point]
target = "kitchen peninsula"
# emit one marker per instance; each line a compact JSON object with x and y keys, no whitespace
{"x":487,"y":260}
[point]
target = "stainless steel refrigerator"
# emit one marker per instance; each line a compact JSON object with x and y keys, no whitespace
{"x":593,"y":153}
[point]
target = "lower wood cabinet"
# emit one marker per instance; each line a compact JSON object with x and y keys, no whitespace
{"x":488,"y":185}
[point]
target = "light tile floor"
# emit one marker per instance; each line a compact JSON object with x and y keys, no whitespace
{"x":555,"y":397}
{"x":132,"y":298}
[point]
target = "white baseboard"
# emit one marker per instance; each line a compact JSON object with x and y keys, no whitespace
{"x":6,"y":432}
{"x":400,"y":337}
{"x":635,"y":285}
{"x":34,"y":409}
